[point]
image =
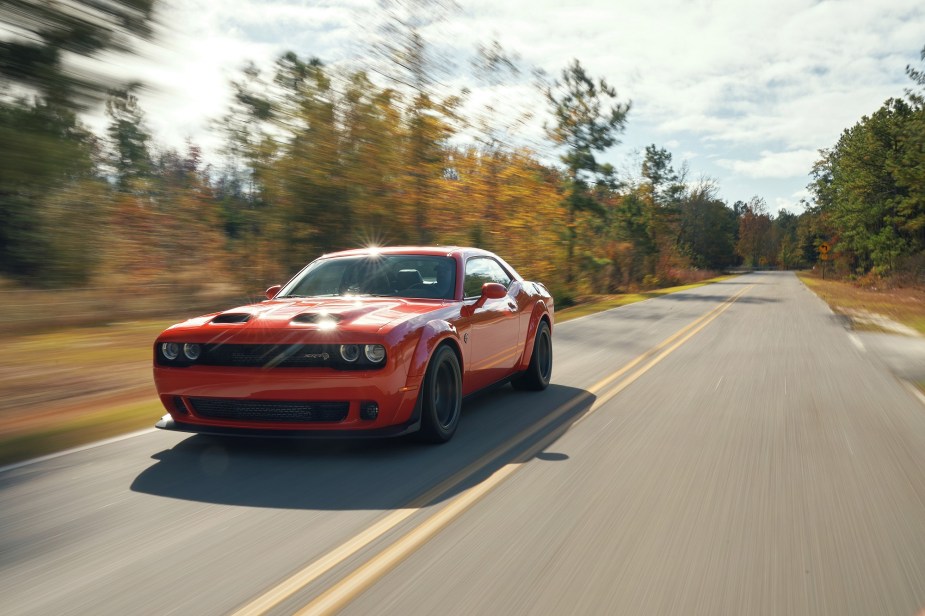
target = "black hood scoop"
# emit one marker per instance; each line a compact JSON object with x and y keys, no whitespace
{"x":232,"y":317}
{"x":316,"y":317}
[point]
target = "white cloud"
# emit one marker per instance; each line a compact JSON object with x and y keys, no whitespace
{"x":774,"y":165}
{"x":792,"y":203}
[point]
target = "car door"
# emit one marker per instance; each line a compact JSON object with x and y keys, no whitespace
{"x":494,"y":328}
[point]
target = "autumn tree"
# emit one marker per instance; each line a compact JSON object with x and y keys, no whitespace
{"x":496,"y":128}
{"x":415,"y":70}
{"x":373,"y":150}
{"x":313,"y":195}
{"x":755,"y":244}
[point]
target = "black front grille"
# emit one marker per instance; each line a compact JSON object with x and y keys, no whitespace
{"x":268,"y":355}
{"x":269,"y":410}
{"x":280,"y":356}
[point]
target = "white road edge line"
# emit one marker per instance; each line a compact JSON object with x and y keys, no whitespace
{"x":68,"y":452}
{"x":914,"y":390}
{"x":857,"y":342}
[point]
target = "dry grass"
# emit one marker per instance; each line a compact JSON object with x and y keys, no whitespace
{"x":48,"y":373}
{"x":68,"y":432}
{"x":905,"y":306}
{"x":74,"y":386}
{"x":35,"y":310}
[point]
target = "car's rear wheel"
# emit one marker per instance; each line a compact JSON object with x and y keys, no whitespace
{"x":441,"y":397}
{"x":539,"y":372}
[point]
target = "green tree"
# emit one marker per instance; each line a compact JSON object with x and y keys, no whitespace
{"x":50,"y":30}
{"x":632,"y":244}
{"x":908,"y":167}
{"x":870,"y":186}
{"x":586,"y":120}
{"x":856,"y":184}
{"x":131,"y":157}
{"x":667,"y":184}
{"x":44,"y":150}
{"x":662,"y":190}
{"x":785,"y":237}
{"x":708,"y":228}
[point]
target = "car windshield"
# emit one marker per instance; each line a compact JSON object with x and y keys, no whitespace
{"x":411,"y":276}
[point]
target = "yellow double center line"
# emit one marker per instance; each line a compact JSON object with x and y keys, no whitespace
{"x":344,"y":591}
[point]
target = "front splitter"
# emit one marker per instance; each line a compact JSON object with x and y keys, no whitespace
{"x":169,"y":423}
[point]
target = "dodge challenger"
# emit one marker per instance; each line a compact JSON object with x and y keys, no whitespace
{"x":370,"y":342}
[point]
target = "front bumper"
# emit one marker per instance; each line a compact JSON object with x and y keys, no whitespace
{"x":181,"y":389}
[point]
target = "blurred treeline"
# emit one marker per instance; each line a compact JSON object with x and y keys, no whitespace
{"x":318,"y":158}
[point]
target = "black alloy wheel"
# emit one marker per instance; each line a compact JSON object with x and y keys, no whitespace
{"x":539,"y":372}
{"x":441,"y":397}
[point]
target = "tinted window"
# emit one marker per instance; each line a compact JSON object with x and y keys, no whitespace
{"x":411,"y":276}
{"x":481,"y":270}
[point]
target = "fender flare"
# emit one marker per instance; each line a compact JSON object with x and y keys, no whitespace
{"x":540,"y":312}
{"x":433,"y":334}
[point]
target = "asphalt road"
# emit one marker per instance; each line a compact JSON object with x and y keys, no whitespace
{"x":725,"y":450}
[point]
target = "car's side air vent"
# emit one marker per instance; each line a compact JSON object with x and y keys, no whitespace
{"x":232,"y":317}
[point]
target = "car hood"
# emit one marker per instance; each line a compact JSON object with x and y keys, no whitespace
{"x":348,"y":314}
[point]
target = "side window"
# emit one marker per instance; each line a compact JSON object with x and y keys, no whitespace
{"x":481,"y":270}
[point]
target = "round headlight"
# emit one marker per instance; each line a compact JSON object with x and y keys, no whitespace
{"x":375,"y":352}
{"x":192,"y":351}
{"x":170,"y":350}
{"x":350,"y":352}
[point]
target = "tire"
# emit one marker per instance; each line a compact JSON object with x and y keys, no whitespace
{"x":537,"y":375}
{"x":441,"y":397}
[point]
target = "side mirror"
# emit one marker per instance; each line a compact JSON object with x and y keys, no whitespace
{"x":272,"y":291}
{"x":490,"y":290}
{"x":493,"y":290}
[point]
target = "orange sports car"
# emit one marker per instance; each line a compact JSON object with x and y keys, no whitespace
{"x":372,"y":342}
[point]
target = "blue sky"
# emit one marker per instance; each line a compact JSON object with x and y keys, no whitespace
{"x":746,"y":92}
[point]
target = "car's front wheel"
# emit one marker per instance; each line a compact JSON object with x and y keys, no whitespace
{"x":441,"y":397}
{"x":538,"y":373}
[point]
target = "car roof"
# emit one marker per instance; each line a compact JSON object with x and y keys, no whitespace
{"x":439,"y":251}
{"x":461,"y":253}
